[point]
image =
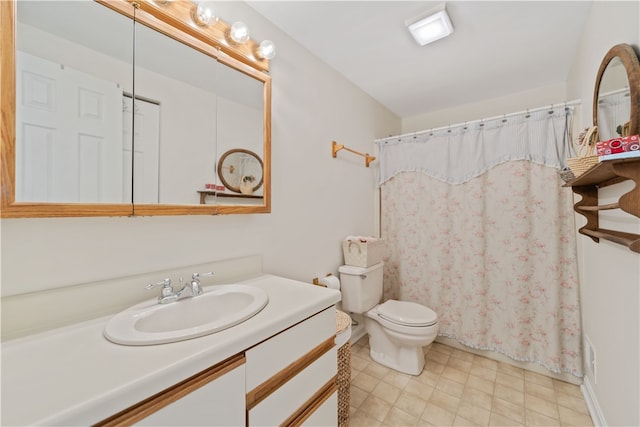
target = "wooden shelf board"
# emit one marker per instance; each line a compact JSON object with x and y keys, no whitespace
{"x":224,"y":194}
{"x":601,"y":174}
{"x":599,"y":207}
{"x":629,"y":240}
{"x":205,"y":193}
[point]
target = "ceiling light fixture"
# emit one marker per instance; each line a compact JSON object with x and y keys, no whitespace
{"x":431,"y":26}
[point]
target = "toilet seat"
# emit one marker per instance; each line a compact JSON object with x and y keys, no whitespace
{"x":407,"y":313}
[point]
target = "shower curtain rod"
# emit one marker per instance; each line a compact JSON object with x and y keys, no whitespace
{"x":504,"y":116}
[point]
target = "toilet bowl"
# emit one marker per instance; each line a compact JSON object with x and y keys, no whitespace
{"x":397,"y":340}
{"x":398,"y":330}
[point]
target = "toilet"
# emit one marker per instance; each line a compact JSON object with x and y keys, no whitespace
{"x":398,"y":330}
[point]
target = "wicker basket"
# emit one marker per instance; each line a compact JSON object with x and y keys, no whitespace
{"x":363,"y":254}
{"x":580,"y":165}
{"x":587,"y":156}
{"x":343,"y":321}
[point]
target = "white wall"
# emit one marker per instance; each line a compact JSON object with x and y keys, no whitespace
{"x":316,"y":200}
{"x":538,"y":97}
{"x":610,"y":273}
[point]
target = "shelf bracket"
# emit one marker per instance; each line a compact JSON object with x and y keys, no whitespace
{"x":587,"y":185}
{"x":335,"y":147}
{"x":589,"y":199}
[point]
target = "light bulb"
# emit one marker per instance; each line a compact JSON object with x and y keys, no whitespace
{"x":239,"y":32}
{"x":203,"y":14}
{"x":267,"y":50}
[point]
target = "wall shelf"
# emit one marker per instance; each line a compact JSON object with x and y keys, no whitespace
{"x":601,"y":175}
{"x":205,"y":193}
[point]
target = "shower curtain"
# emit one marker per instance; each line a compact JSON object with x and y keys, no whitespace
{"x":479,"y":228}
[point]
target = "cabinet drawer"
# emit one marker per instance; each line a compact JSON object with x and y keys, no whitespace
{"x":296,"y":393}
{"x":215,"y":396}
{"x":325,"y":414}
{"x":219,"y":403}
{"x":272,"y":356}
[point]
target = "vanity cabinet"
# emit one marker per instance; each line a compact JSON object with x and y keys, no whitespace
{"x":603,"y":174}
{"x":287,"y":379}
{"x":280,"y":365}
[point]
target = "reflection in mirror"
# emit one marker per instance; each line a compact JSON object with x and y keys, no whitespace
{"x":175,"y":120}
{"x":188,"y":108}
{"x":614,"y":101}
{"x":73,"y":68}
{"x":240,"y":132}
{"x":241,"y":171}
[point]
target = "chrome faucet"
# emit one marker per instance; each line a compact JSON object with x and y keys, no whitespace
{"x":167,"y":293}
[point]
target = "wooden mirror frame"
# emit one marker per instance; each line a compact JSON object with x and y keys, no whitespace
{"x":173,"y":20}
{"x":629,"y":59}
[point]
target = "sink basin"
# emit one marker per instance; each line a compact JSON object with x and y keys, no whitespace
{"x":218,"y":307}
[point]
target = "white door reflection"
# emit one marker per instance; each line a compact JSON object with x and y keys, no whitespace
{"x":70,"y":126}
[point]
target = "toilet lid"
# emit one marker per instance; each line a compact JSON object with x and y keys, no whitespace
{"x":407,"y":313}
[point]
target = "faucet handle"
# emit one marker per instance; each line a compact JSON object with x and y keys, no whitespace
{"x":167,"y":295}
{"x":197,"y":276}
{"x":167,"y":289}
{"x":196,"y":287}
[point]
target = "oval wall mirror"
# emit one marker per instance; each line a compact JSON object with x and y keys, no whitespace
{"x":616,"y":100}
{"x":241,"y":171}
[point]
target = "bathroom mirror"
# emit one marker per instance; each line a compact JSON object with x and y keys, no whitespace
{"x":616,"y":101}
{"x":70,"y":127}
{"x":241,"y":171}
{"x":175,"y":120}
{"x":117,"y":179}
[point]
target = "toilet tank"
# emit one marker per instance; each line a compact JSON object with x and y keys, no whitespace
{"x":361,"y":287}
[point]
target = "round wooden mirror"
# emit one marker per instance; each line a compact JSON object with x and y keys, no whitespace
{"x":616,"y":98}
{"x":241,"y":171}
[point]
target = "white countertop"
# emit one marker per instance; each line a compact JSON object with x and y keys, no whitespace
{"x":75,"y":376}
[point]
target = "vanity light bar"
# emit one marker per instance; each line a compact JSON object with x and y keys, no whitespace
{"x":190,"y":16}
{"x":203,"y":15}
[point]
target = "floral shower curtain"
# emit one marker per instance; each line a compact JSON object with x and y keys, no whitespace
{"x":487,"y":242}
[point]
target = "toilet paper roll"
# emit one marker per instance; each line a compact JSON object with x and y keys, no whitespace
{"x":331,"y":282}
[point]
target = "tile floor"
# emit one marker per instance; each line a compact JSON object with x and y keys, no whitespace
{"x":458,"y":388}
